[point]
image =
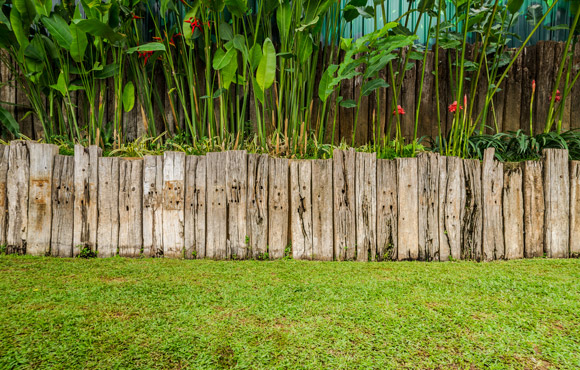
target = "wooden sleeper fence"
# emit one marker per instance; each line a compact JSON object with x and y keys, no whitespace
{"x":234,"y":205}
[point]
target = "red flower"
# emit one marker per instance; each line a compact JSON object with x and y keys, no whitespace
{"x":399,"y":109}
{"x":194,"y":22}
{"x":533,"y":86}
{"x":137,"y":17}
{"x":146,"y":55}
{"x":453,"y":107}
{"x":558,"y":96}
{"x":157,"y":39}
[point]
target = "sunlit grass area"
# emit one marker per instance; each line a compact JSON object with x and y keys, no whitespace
{"x":161,"y":313}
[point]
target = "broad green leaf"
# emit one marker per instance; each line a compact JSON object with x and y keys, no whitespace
{"x":326,"y":87}
{"x":3,"y":19}
{"x":128,"y":97}
{"x":255,"y":56}
{"x":514,"y":5}
{"x":21,"y":30}
{"x":152,"y":46}
{"x":348,"y":103}
{"x":226,"y":32}
{"x":228,"y":73}
{"x":26,"y":9}
{"x":99,"y":29}
{"x":9,"y":122}
{"x":371,"y":86}
{"x":60,"y":85}
{"x":79,"y":43}
{"x":58,"y":29}
{"x":222,"y":58}
{"x":237,"y":7}
{"x":304,"y":47}
{"x":107,"y":71}
{"x":239,"y":43}
{"x":534,"y":14}
{"x":258,"y":92}
{"x":215,"y":5}
{"x":284,"y":20}
{"x":267,"y":67}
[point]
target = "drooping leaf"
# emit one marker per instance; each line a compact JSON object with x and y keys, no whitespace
{"x":267,"y":68}
{"x":21,"y":29}
{"x":349,"y":103}
{"x":237,"y":7}
{"x":514,"y":5}
{"x":325,"y":87}
{"x":284,"y":19}
{"x":79,"y":43}
{"x":26,"y":9}
{"x":226,"y":32}
{"x":152,"y":46}
{"x":58,"y":28}
{"x":107,"y":71}
{"x":99,"y":29}
{"x":228,"y":72}
{"x":128,"y":97}
{"x":9,"y":122}
{"x":372,"y":85}
{"x":255,"y":56}
{"x":222,"y":58}
{"x":534,"y":14}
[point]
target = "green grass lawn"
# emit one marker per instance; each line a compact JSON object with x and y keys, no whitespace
{"x":161,"y":313}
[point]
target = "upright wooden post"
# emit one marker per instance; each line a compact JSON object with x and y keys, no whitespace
{"x":557,"y":200}
{"x":533,"y":209}
{"x":257,"y":204}
{"x":4,"y":154}
{"x":108,"y":206}
{"x":195,"y":201}
{"x":492,"y":185}
{"x":130,"y":207}
{"x":407,"y":223}
{"x":85,"y":197}
{"x":343,"y":172}
{"x":387,"y":210}
{"x":17,"y":195}
{"x":366,"y":206}
{"x":301,"y":208}
{"x":428,"y":167}
{"x":513,"y":211}
{"x":173,"y":204}
{"x":574,"y":209}
{"x":451,"y":182}
{"x":216,"y":243}
{"x":322,"y":223}
{"x":61,"y":244}
{"x":278,"y":207}
{"x":236,"y":196}
{"x":39,"y":198}
{"x":471,"y":225}
{"x":152,"y":206}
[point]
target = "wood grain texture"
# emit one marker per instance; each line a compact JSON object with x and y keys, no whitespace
{"x":216,"y":243}
{"x":130,"y":207}
{"x":533,"y":188}
{"x":387,"y":210}
{"x":17,"y":196}
{"x":278,"y":206}
{"x":428,"y":176}
{"x":513,"y":211}
{"x":557,"y":203}
{"x":152,"y":206}
{"x":366,"y":206}
{"x":407,"y":222}
{"x":451,"y":182}
{"x":471,"y":225}
{"x":257,"y":205}
{"x":4,"y":154}
{"x":108,"y":207}
{"x":574,"y":209}
{"x":343,"y":172}
{"x":236,"y":196}
{"x":173,"y":204}
{"x":85,"y":197}
{"x":492,"y":185}
{"x":195,"y":206}
{"x":301,"y":209}
{"x":322,"y":223}
{"x":61,"y":243}
{"x":39,"y":198}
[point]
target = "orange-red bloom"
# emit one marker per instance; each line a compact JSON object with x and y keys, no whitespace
{"x":194,"y":22}
{"x":146,"y":55}
{"x":558,"y":96}
{"x":399,"y":109}
{"x":453,"y":107}
{"x":533,"y":86}
{"x":137,"y":17}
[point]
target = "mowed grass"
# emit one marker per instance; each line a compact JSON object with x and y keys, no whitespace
{"x":161,"y":313}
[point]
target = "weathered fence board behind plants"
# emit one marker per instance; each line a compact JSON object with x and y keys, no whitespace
{"x":234,"y":205}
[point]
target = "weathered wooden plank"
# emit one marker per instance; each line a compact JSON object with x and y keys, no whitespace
{"x":574,"y":209}
{"x":362,"y":124}
{"x":428,"y":176}
{"x":322,"y":223}
{"x":408,"y":101}
{"x":278,"y":207}
{"x":408,"y":213}
{"x":533,"y":209}
{"x":301,"y":208}
{"x":130,"y":207}
{"x":528,"y":76}
{"x":173,"y":204}
{"x":492,"y":185}
{"x":216,"y":243}
{"x":471,"y":225}
{"x":85,"y":197}
{"x":387,"y":210}
{"x":343,"y":172}
{"x":557,"y":203}
{"x":366,"y":206}
{"x":346,"y":115}
{"x":195,"y":206}
{"x":257,"y":205}
{"x":451,"y":182}
{"x":236,"y":196}
{"x":152,"y":206}
{"x":575,"y":93}
{"x":61,"y":243}
{"x":545,"y":82}
{"x":513,"y":211}
{"x":428,"y":111}
{"x":512,"y":114}
{"x":107,"y":241}
{"x":4,"y":154}
{"x":17,"y":196}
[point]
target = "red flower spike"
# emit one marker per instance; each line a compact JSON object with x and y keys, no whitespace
{"x":400,"y":110}
{"x":183,"y":2}
{"x":533,"y":86}
{"x":558,"y":96}
{"x":137,"y":17}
